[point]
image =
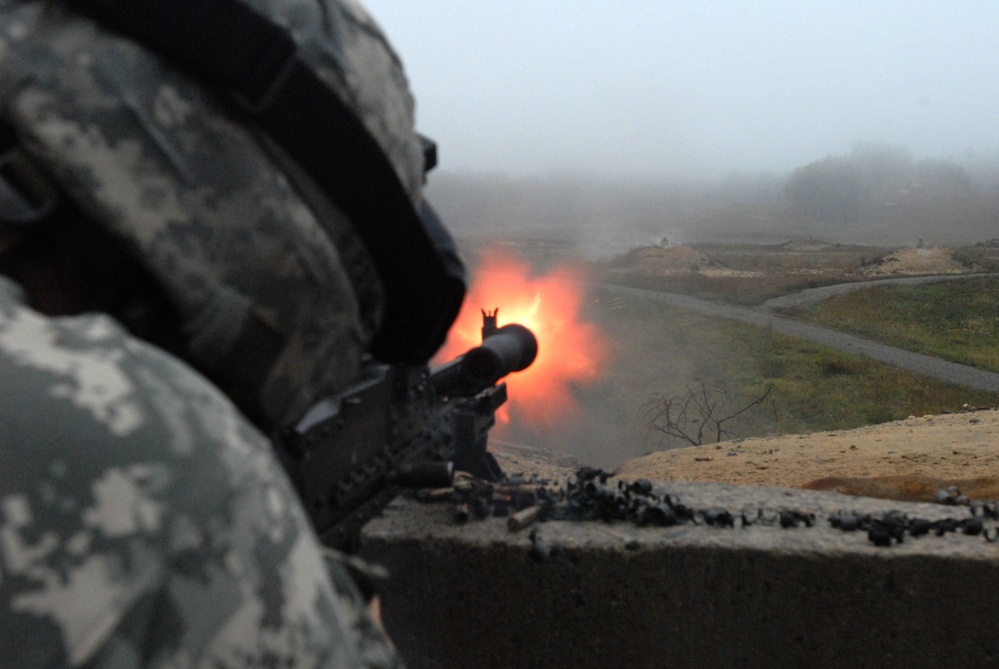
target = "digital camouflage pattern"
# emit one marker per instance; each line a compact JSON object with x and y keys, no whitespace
{"x":277,"y":295}
{"x":143,"y":519}
{"x":144,"y":522}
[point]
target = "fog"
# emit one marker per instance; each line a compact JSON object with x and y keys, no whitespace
{"x":660,"y":89}
{"x":934,"y":202}
{"x":621,"y":124}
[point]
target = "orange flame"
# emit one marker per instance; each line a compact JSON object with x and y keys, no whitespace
{"x":570,"y":350}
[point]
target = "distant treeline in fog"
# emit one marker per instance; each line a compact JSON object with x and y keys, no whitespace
{"x":874,"y":193}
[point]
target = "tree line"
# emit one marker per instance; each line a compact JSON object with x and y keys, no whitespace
{"x":858,"y":186}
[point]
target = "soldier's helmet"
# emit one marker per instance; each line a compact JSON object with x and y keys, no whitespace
{"x":275,"y":280}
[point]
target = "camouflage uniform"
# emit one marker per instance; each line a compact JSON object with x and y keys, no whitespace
{"x":143,"y":519}
{"x":144,"y":522}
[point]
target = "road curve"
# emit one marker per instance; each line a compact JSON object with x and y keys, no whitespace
{"x":811,"y":296}
{"x":952,"y":372}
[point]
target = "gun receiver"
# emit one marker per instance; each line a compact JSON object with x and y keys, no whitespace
{"x":401,"y":426}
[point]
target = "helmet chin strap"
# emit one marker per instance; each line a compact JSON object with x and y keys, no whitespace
{"x":27,"y":197}
{"x":44,"y":238}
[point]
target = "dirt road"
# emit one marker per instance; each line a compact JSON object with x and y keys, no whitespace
{"x":950,"y":372}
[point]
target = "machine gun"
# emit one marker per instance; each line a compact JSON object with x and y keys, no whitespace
{"x":401,"y":426}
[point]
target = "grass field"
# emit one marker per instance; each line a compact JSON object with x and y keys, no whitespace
{"x":660,"y":351}
{"x":956,"y":320}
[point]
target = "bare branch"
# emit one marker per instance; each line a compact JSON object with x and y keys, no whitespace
{"x":690,"y":416}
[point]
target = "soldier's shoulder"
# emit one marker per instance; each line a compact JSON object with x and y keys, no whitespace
{"x":144,"y":520}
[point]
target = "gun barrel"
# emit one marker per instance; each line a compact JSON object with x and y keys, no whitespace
{"x":512,"y":348}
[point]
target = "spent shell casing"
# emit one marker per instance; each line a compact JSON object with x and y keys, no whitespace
{"x":522,"y":518}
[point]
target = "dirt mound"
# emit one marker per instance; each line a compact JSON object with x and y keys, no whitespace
{"x":917,"y":261}
{"x":660,"y":260}
{"x":904,"y":460}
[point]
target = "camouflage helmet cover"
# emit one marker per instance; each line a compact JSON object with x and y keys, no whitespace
{"x":217,"y":213}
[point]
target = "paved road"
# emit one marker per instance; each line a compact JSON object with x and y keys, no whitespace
{"x":813,"y":295}
{"x":951,"y":372}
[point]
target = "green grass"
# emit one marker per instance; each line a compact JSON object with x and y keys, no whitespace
{"x":834,"y":259}
{"x":954,"y":320}
{"x":818,"y":388}
{"x":740,"y":290}
{"x":661,"y":350}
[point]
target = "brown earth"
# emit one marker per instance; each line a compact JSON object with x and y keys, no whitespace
{"x":813,"y":257}
{"x":905,"y":460}
{"x":908,"y":460}
{"x":664,"y":260}
{"x":917,"y":261}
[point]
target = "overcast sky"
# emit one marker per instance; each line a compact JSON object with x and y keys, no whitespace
{"x":663,"y":88}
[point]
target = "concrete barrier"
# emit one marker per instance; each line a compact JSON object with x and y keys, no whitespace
{"x":593,"y":594}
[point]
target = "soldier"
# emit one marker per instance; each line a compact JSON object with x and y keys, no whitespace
{"x":174,"y":286}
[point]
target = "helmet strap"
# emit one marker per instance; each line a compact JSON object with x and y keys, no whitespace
{"x":27,"y":197}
